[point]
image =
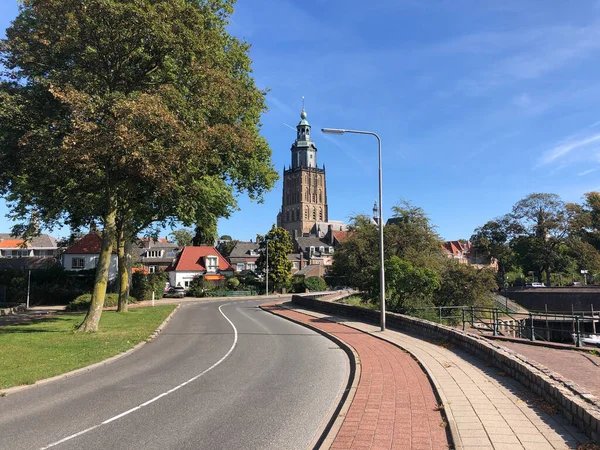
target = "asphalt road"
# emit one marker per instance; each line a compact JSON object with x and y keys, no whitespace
{"x":222,"y":375}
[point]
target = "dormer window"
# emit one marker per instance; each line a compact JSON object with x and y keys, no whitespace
{"x":154,"y":253}
{"x":311,"y":250}
{"x":321,"y":249}
{"x":330,"y":249}
{"x":212,"y":264}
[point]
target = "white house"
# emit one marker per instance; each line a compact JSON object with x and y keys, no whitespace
{"x":204,"y":261}
{"x":84,"y":254}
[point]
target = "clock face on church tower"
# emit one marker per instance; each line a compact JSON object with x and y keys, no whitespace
{"x":304,"y":186}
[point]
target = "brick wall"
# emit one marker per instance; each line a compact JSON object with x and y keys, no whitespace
{"x":577,"y":405}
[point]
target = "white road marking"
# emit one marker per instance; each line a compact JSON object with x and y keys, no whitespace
{"x":170,"y":391}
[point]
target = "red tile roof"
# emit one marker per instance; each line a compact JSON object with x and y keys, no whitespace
{"x":341,"y":236}
{"x":193,"y":259}
{"x":90,"y":244}
{"x":12,"y":243}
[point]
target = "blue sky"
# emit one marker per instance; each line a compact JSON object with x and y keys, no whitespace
{"x":477,"y":103}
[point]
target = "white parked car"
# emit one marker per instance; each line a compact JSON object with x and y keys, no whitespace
{"x":536,"y":284}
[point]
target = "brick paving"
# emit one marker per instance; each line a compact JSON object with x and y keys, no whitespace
{"x":485,"y":409}
{"x":394,"y":406}
{"x":581,"y":367}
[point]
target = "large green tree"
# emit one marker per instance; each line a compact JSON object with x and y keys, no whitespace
{"x":492,"y":240}
{"x":127,"y":112}
{"x":279,"y":244}
{"x":542,"y":224}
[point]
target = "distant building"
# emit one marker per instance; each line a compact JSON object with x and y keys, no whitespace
{"x":304,"y":201}
{"x":84,"y":255}
{"x":243,"y":256}
{"x":156,"y":256}
{"x":202,"y":261}
{"x":40,"y":246}
{"x":465,"y":253}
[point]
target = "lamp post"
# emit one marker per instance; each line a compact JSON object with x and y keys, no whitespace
{"x":267,"y":266}
{"x":380,"y":221}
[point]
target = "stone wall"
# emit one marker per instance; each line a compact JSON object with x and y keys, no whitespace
{"x":577,"y":405}
{"x":557,"y":299}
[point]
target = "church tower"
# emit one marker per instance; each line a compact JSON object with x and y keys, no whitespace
{"x":304,"y":189}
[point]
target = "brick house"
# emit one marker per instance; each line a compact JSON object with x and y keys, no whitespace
{"x":203,"y":261}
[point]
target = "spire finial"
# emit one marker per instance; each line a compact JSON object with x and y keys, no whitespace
{"x":303,"y":114}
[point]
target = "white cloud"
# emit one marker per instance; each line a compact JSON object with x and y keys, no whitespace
{"x":567,"y":147}
{"x":586,"y":172}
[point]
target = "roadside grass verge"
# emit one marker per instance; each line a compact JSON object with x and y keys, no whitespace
{"x":39,"y":349}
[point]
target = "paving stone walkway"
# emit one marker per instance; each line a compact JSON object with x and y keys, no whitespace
{"x":485,"y":409}
{"x":581,"y":367}
{"x":394,"y":406}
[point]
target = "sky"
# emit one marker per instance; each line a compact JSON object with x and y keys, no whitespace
{"x":478,"y":104}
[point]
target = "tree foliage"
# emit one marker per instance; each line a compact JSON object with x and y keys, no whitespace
{"x":128,"y":113}
{"x":408,"y":286}
{"x":183,"y":237}
{"x":279,"y":244}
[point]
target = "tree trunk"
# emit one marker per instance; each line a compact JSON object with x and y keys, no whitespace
{"x":548,"y":277}
{"x":129,"y":261}
{"x":123,"y":273}
{"x":90,"y":323}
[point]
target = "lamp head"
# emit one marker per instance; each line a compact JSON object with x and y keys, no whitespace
{"x":333,"y":130}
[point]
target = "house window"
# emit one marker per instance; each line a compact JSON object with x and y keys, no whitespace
{"x":321,"y":249}
{"x":251,"y":266}
{"x":77,"y":263}
{"x":152,"y":269}
{"x":212,"y":264}
{"x":154,"y":253}
{"x":330,"y":249}
{"x":186,"y":284}
{"x":311,"y":250}
{"x":240,"y":267}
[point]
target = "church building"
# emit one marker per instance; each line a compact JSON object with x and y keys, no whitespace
{"x":304,"y":201}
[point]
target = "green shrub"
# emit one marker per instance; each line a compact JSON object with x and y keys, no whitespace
{"x":232,"y":283}
{"x":82,"y":302}
{"x":143,"y":284}
{"x":315,"y":284}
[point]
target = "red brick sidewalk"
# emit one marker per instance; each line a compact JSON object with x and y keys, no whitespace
{"x":394,"y":406}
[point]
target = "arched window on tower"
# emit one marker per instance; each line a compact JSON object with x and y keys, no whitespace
{"x":314,"y":213}
{"x":297,"y":214}
{"x":320,"y":196}
{"x":314,"y":198}
{"x":307,"y":195}
{"x":306,"y":212}
{"x":288,"y":215}
{"x":320,"y":213}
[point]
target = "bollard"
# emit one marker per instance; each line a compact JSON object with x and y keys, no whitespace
{"x":463,"y":318}
{"x":472,"y":316}
{"x":578,"y":331}
{"x":440,"y":309}
{"x":531,"y":329}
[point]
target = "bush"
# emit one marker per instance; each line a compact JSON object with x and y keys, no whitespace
{"x":232,"y":283}
{"x":315,"y":284}
{"x":82,"y":302}
{"x":143,"y":284}
{"x":199,"y":286}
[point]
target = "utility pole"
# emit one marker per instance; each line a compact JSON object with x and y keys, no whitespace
{"x":28,"y":286}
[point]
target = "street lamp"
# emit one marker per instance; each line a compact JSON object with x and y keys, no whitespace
{"x":380,"y":221}
{"x":267,"y":266}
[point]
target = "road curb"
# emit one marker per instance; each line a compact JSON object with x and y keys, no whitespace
{"x":155,"y":333}
{"x":329,"y":430}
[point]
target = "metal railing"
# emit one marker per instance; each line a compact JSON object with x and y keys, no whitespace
{"x":532,"y":325}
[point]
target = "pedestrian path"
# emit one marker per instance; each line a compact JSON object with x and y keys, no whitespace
{"x":484,"y":408}
{"x":394,"y":406}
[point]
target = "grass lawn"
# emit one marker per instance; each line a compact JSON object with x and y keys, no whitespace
{"x":43,"y":348}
